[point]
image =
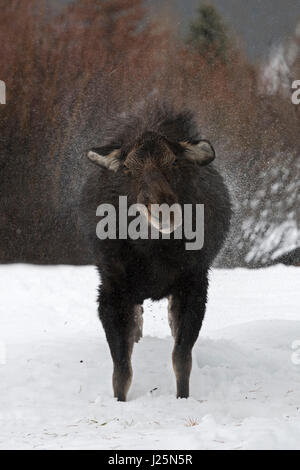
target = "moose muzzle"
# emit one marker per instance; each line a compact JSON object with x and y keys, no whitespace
{"x":159,"y":204}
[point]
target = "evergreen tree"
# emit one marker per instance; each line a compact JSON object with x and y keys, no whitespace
{"x":208,"y":34}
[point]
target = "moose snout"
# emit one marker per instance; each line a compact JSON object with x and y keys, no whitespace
{"x":157,"y":198}
{"x":161,"y":208}
{"x":155,"y":189}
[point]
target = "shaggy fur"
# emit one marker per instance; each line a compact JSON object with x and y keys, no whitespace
{"x":132,"y":271}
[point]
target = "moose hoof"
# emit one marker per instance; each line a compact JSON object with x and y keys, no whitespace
{"x":121,"y":398}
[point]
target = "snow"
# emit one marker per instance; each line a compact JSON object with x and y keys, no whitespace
{"x":276,"y":73}
{"x":55,"y":383}
{"x":272,"y":229}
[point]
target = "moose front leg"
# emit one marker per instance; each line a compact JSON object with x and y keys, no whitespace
{"x":119,"y":319}
{"x":186,"y":312}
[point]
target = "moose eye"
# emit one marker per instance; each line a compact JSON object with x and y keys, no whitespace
{"x":126,"y":169}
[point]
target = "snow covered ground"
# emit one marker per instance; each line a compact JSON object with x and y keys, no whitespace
{"x":55,"y":368}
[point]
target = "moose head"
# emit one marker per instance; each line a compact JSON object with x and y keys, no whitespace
{"x":151,"y":163}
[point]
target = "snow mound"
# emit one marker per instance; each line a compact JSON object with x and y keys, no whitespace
{"x":56,"y":378}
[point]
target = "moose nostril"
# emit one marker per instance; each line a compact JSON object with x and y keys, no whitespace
{"x":143,"y":199}
{"x":170,"y":200}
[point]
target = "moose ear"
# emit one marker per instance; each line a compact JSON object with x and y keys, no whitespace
{"x":107,"y":157}
{"x":201,"y":152}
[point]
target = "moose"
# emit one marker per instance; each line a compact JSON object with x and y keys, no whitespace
{"x":155,"y":156}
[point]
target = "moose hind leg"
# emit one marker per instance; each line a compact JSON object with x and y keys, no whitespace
{"x":139,"y":322}
{"x":186,"y":313}
{"x":118,"y":320}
